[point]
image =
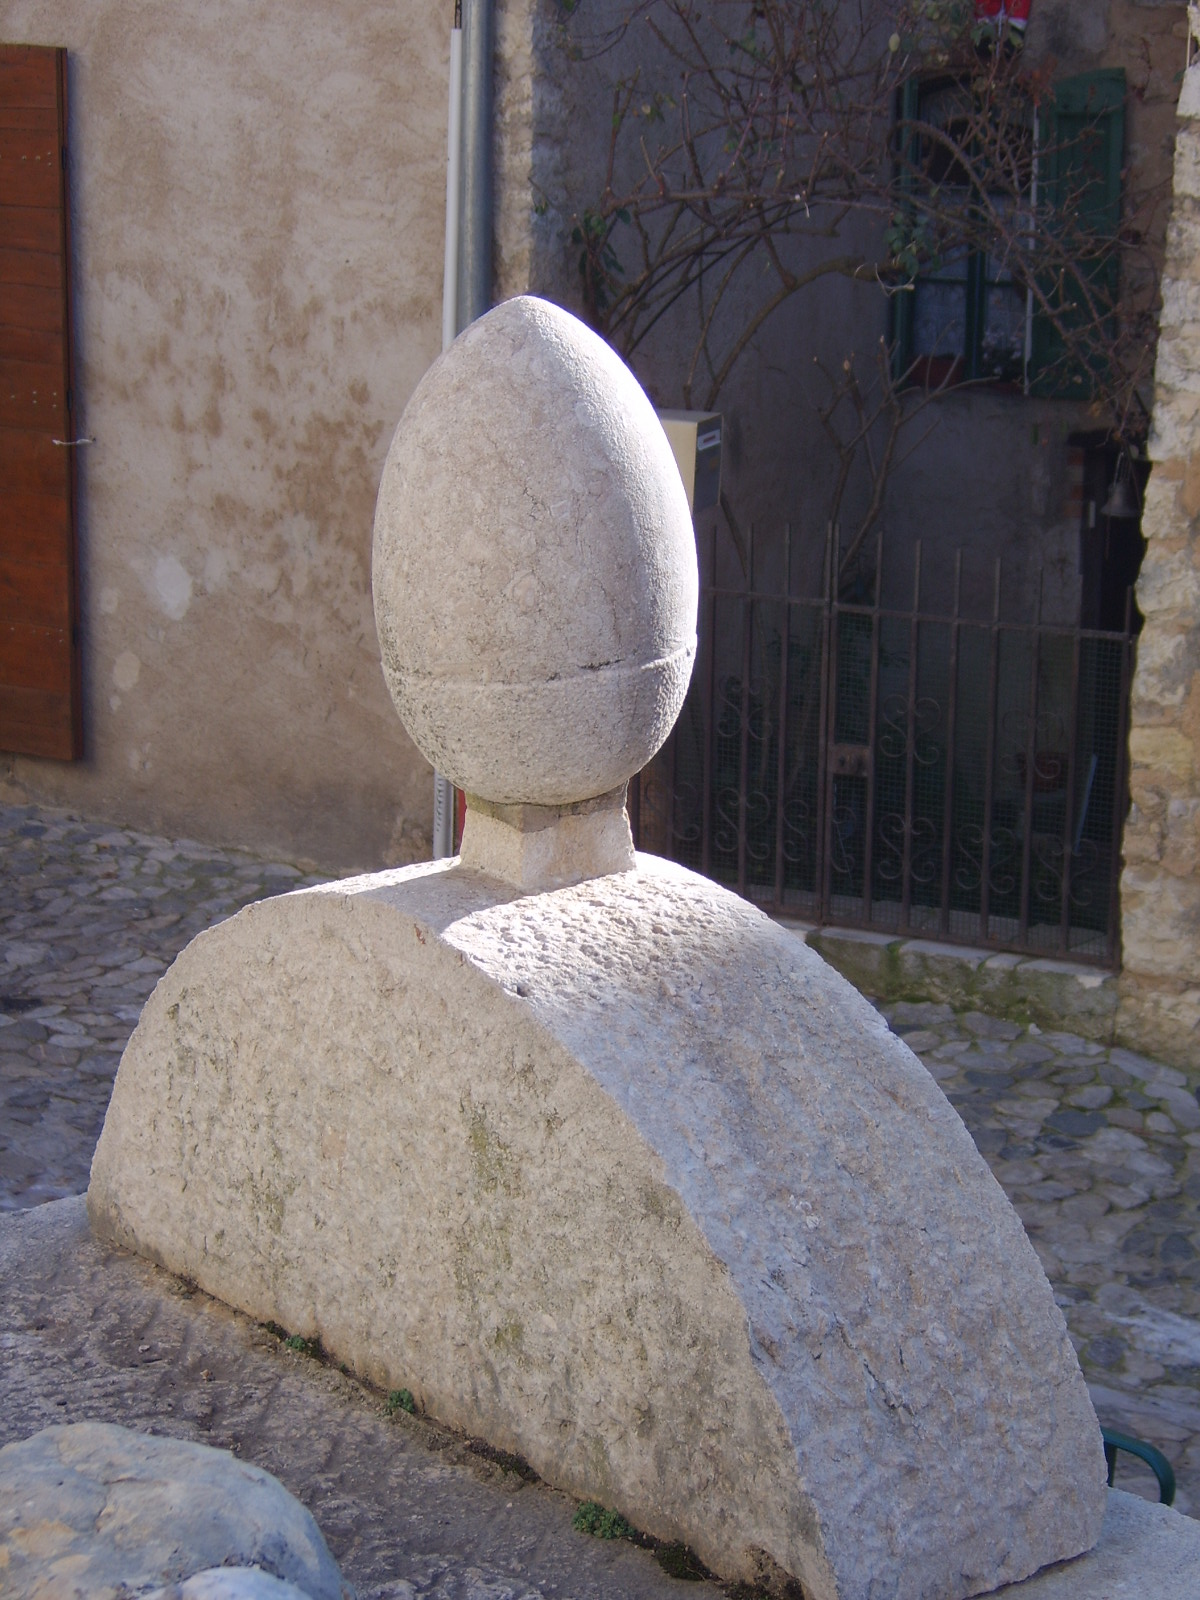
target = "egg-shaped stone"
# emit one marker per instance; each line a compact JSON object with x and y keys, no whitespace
{"x":534,"y":564}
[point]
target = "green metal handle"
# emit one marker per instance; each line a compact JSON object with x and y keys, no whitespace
{"x":1154,"y":1459}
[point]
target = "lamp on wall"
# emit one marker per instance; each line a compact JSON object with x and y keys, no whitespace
{"x":1122,"y":499}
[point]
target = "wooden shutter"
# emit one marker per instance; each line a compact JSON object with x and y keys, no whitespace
{"x":1081,"y":170}
{"x":40,"y":712}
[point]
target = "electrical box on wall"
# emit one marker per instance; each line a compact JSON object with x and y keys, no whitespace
{"x":695,"y":437}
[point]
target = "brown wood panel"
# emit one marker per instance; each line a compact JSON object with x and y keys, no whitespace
{"x":35,"y":527}
{"x":38,"y":722}
{"x":38,"y":376}
{"x":32,"y":396}
{"x":38,"y":269}
{"x":24,"y":305}
{"x":40,"y":694}
{"x":36,"y":147}
{"x":40,"y":346}
{"x":33,"y":119}
{"x":29,"y":75}
{"x":35,"y":658}
{"x":35,"y":593}
{"x":30,"y":171}
{"x":32,"y":463}
{"x":30,"y":228}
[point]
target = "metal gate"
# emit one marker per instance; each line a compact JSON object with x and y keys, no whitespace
{"x":946,"y":773}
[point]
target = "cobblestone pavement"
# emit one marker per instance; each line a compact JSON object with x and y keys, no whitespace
{"x":1099,"y":1149}
{"x":90,"y":918}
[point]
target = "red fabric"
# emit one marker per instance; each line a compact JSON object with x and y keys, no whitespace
{"x":1015,"y":12}
{"x":460,"y":818}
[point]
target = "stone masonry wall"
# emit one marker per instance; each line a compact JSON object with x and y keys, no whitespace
{"x":1159,"y":1007}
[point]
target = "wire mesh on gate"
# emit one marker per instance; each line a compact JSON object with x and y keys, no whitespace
{"x":931,"y":774}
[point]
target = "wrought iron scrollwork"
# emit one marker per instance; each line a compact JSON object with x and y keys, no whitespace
{"x":1050,"y":858}
{"x":797,"y":832}
{"x":925,"y":849}
{"x":927,"y":722}
{"x":1003,"y":854}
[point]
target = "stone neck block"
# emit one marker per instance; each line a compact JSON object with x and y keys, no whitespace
{"x":548,"y":847}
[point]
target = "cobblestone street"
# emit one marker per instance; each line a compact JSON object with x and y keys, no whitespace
{"x":1099,"y":1149}
{"x":90,"y":918}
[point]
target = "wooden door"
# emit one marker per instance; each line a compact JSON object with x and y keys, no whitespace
{"x":40,"y":712}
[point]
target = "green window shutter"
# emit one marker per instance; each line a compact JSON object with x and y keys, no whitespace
{"x":1080,"y":174}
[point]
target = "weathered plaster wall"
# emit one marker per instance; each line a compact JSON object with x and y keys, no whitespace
{"x":1160,"y":887}
{"x":518,"y":90}
{"x":258,"y":199}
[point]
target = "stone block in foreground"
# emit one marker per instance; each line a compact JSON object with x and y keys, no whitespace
{"x":1145,"y":1552}
{"x":93,"y":1509}
{"x":622,"y":1177}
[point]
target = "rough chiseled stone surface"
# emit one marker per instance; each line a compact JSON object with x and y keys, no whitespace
{"x":98,"y":1511}
{"x":1143,"y":1551}
{"x":411,"y":1510}
{"x":534,"y":565}
{"x":668,"y":1210}
{"x":1110,"y":1205}
{"x":1160,"y":885}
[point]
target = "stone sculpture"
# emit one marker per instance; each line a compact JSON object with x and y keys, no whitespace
{"x":579,"y":1147}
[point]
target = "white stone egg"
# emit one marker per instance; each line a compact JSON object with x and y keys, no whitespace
{"x":534,"y":565}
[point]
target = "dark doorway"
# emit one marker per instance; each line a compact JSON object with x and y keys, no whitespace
{"x":1111,"y":546}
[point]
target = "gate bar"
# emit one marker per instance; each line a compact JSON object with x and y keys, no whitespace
{"x":744,"y":724}
{"x":823,"y":872}
{"x":914,"y":639}
{"x":989,"y":780}
{"x":872,"y":734}
{"x":782,"y":722}
{"x":710,"y":701}
{"x":951,"y":732}
{"x":1031,"y":739}
{"x":1064,"y":917}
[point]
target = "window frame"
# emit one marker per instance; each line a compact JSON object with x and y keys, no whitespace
{"x":1088,"y":101}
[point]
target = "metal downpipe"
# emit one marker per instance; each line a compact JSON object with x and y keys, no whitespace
{"x":467,"y":276}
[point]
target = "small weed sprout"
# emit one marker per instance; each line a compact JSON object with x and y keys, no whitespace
{"x":296,"y":1341}
{"x":401,"y":1400}
{"x":601,"y":1523}
{"x":303,"y":1346}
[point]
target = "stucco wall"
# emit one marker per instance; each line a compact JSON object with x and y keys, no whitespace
{"x":258,"y":197}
